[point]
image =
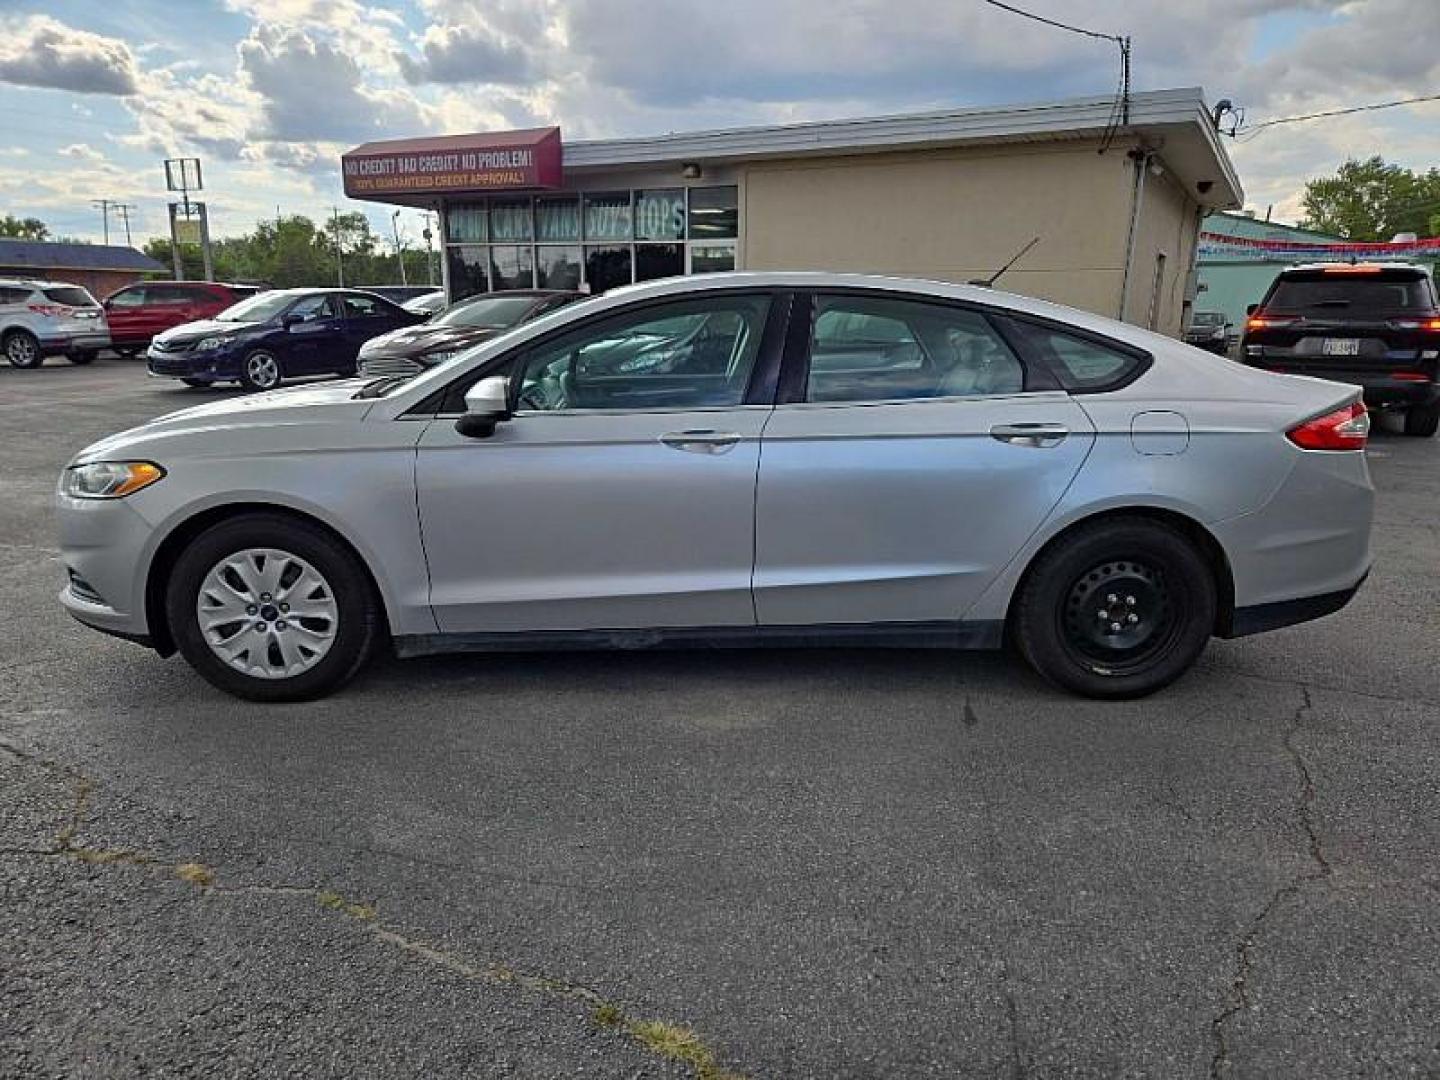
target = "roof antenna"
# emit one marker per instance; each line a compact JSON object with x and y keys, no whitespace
{"x":987,"y":282}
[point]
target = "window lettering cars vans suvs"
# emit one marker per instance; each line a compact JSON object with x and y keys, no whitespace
{"x":42,"y":318}
{"x":1373,"y":325}
{"x":277,"y":335}
{"x":138,"y":312}
{"x":741,"y":458}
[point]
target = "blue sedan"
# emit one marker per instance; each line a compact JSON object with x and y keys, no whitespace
{"x":262,"y":341}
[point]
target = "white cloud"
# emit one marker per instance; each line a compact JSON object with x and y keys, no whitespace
{"x":43,"y":52}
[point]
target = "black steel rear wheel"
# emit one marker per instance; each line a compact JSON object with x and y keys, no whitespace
{"x":1116,"y":609}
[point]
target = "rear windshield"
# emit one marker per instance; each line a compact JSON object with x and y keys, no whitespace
{"x":1358,"y":293}
{"x":492,"y":311}
{"x":71,"y":296}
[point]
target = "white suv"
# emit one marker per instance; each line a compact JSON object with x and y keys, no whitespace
{"x":40,"y":318}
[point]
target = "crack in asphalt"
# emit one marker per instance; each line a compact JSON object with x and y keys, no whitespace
{"x":1018,"y":1070}
{"x":1238,"y":1000}
{"x":673,"y":1042}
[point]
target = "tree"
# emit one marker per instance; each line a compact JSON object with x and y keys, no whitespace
{"x":23,"y":228}
{"x":1372,"y":200}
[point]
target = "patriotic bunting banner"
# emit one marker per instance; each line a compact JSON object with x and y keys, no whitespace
{"x":1291,"y":250}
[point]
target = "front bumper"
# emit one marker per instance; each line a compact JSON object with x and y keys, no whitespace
{"x":106,"y":544}
{"x":212,"y":364}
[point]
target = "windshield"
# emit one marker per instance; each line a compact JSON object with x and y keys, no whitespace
{"x":261,"y":308}
{"x":1208,"y":318}
{"x":1340,"y":292}
{"x":491,"y":311}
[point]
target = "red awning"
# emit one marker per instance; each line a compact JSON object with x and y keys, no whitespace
{"x":449,"y":164}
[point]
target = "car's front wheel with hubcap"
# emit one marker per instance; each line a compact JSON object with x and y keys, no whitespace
{"x":22,"y":349}
{"x":1116,"y":609}
{"x":272,"y":608}
{"x":261,"y":371}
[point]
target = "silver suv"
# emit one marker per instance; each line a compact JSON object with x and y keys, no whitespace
{"x":42,"y":318}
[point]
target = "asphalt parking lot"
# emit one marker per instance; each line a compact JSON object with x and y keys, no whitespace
{"x":825,"y":864}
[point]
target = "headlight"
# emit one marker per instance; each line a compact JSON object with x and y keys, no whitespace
{"x":211,"y":343}
{"x":109,"y":479}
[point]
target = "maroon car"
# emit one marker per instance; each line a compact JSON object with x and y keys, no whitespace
{"x":468,"y":322}
{"x":138,"y":312}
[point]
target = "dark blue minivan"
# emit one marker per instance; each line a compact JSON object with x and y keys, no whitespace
{"x":262,"y":341}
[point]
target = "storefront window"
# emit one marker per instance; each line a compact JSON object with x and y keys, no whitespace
{"x":711,"y":258}
{"x":465,"y":223}
{"x":467,"y":265}
{"x":511,"y":267}
{"x":557,"y":219}
{"x":714,"y":213}
{"x":557,"y":266}
{"x":607,"y":217}
{"x":660,"y":215}
{"x":607,"y":267}
{"x":658,"y":260}
{"x":510,"y":219}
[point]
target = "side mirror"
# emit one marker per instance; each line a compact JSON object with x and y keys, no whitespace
{"x":486,"y":404}
{"x":1250,"y":309}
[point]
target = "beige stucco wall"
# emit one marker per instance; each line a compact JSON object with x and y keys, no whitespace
{"x":1168,"y":225}
{"x":959,"y":214}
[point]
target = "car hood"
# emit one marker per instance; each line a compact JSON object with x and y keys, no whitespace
{"x":193,"y":331}
{"x":426,"y":338}
{"x":291,"y":408}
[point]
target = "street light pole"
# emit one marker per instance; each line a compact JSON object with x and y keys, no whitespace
{"x":399,"y":251}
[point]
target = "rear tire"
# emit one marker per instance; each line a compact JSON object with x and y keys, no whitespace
{"x":307,"y":636}
{"x":81,"y":358}
{"x":1116,"y":609}
{"x":125,"y":352}
{"x":22,"y":349}
{"x":1422,"y":421}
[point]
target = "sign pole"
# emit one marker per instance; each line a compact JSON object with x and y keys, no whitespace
{"x":175,"y":246}
{"x":205,"y":240}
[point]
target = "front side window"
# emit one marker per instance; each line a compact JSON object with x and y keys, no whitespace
{"x":882,"y":349}
{"x":312,"y":307}
{"x":127,"y":298}
{"x":688,"y":354}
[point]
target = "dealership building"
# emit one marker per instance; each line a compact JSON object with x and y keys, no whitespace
{"x":1115,"y":193}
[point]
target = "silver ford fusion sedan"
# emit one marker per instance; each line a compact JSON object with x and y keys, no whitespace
{"x":737,"y":459}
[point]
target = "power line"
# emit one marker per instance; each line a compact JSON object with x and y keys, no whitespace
{"x":1119,"y":111}
{"x":1248,"y":133}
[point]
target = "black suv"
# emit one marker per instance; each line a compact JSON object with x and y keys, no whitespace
{"x":1374,"y":325}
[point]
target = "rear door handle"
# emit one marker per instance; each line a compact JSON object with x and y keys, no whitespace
{"x":703,"y":441}
{"x":1035,"y":435}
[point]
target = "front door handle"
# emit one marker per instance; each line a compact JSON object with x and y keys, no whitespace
{"x":1036,"y":435}
{"x":701,"y":442}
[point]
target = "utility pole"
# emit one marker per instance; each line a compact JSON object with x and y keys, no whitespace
{"x":339,"y":260}
{"x":104,"y":205}
{"x":124,"y":211}
{"x":399,"y":251}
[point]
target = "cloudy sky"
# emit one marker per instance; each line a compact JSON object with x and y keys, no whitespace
{"x":269,"y":92}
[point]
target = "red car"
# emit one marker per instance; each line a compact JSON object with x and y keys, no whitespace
{"x":138,"y":312}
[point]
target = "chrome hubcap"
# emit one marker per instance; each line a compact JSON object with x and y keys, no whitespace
{"x":267,"y":613}
{"x":264,"y":372}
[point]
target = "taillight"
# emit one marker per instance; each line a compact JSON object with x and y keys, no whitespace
{"x":1266,"y":322}
{"x":48,"y":309}
{"x":1343,"y":429}
{"x":1409,"y":376}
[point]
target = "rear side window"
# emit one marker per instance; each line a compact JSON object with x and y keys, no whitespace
{"x":885,"y":349}
{"x":1081,"y":364}
{"x":1342,"y":293}
{"x":69,"y":295}
{"x":364,"y":307}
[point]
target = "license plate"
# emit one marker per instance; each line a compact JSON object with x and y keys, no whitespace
{"x":1340,"y":347}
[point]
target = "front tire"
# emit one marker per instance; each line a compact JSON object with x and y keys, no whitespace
{"x":1422,"y":421}
{"x":1116,"y":609}
{"x":22,"y":349}
{"x":261,"y":371}
{"x":271,"y":608}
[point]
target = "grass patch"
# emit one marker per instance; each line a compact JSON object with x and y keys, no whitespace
{"x":678,"y":1044}
{"x":335,"y":902}
{"x":197,"y":874}
{"x":608,"y":1016}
